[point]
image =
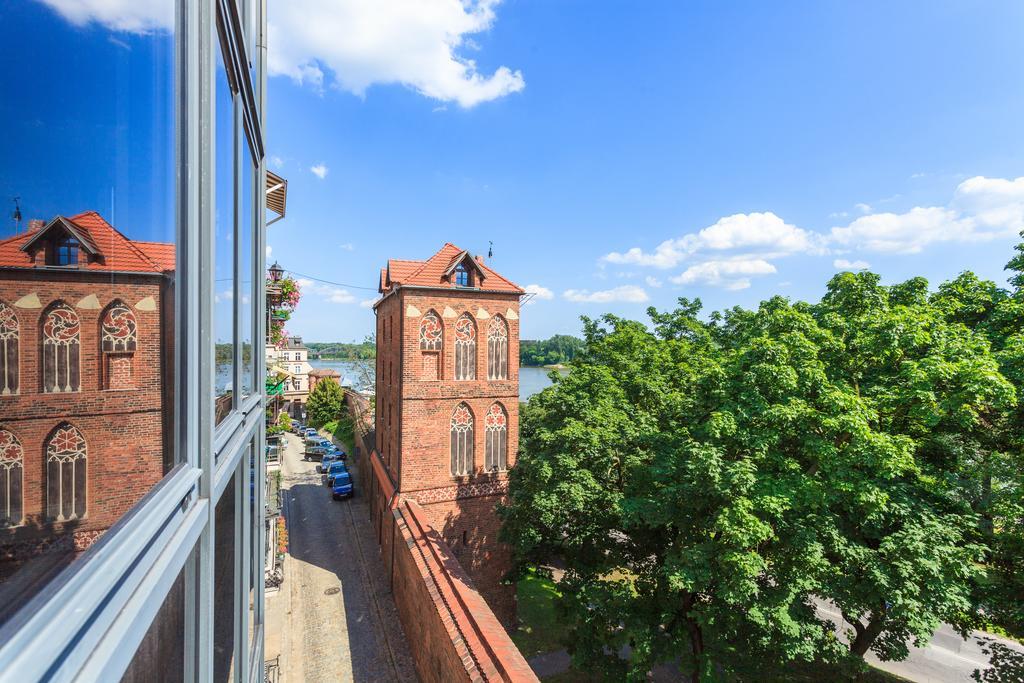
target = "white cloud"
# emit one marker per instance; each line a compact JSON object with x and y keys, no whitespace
{"x":367,"y":303}
{"x":276,"y":161}
{"x":652,"y":281}
{"x":416,"y":43}
{"x":862,"y":207}
{"x":626,"y":293}
{"x":348,"y":246}
{"x":131,"y":16}
{"x":320,"y":171}
{"x":734,"y":274}
{"x":334,"y":295}
{"x":539,"y":292}
{"x":269,"y":251}
{"x":843,"y":264}
{"x":982,"y":209}
{"x":751,"y":232}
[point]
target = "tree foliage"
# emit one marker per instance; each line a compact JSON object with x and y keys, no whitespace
{"x":707,"y":484}
{"x":325,"y":403}
{"x":559,"y":349}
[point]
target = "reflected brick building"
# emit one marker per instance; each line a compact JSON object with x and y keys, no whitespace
{"x":447,"y":413}
{"x":85,"y":381}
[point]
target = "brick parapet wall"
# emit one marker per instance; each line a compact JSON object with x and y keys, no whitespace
{"x":455,"y":634}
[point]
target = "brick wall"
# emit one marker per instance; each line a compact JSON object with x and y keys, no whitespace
{"x":124,"y":426}
{"x":453,"y":633}
{"x":416,"y":395}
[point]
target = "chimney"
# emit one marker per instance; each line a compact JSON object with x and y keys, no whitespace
{"x":479,"y":259}
{"x":35,"y":224}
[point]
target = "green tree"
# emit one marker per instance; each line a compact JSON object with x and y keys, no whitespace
{"x":705,"y":484}
{"x":325,"y":402}
{"x":284,"y":422}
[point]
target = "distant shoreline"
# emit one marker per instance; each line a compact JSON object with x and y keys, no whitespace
{"x":555,"y":366}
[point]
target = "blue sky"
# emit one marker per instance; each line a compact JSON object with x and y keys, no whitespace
{"x":621,"y":155}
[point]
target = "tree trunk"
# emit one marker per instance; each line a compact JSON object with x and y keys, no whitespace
{"x":866,"y":634}
{"x":697,"y":647}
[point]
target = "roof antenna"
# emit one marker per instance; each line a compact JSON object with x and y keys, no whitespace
{"x":16,"y":215}
{"x":490,"y":249}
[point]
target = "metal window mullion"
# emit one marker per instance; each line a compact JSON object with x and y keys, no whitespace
{"x":208,"y":43}
{"x":241,"y":590}
{"x":236,"y":315}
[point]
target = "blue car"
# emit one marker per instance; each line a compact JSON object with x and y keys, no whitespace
{"x":342,"y":486}
{"x":329,"y":457}
{"x":338,"y":453}
{"x":334,"y":469}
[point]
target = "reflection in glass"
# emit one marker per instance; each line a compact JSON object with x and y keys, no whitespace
{"x":224,"y":584}
{"x":161,"y":654}
{"x":224,"y":239}
{"x":246,"y":180}
{"x":87,"y":261}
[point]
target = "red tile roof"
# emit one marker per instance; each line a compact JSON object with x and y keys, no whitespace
{"x":116,"y":252}
{"x":430,"y":273}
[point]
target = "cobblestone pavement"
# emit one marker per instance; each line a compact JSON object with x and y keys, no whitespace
{"x":343,"y":625}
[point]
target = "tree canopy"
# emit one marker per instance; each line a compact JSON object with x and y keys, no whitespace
{"x":710,"y":485}
{"x":325,"y":402}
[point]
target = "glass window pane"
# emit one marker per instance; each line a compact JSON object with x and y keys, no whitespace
{"x":224,"y":584}
{"x":246,"y":179}
{"x":161,"y":654}
{"x":224,"y":240}
{"x":86,"y":280}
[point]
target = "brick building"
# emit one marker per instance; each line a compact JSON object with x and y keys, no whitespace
{"x":85,"y":381}
{"x":447,"y":402}
{"x":317,"y":375}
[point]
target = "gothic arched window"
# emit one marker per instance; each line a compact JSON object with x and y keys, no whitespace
{"x":497,"y":349}
{"x":465,"y":348}
{"x":462,"y":440}
{"x":118,"y":340}
{"x":119,"y":330}
{"x":495,"y":439}
{"x":431,"y":332}
{"x":61,"y":345}
{"x":12,"y":463}
{"x":66,"y":466}
{"x":9,"y":338}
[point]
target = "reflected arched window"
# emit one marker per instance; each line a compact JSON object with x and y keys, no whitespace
{"x":462,"y":440}
{"x":12,"y":465}
{"x":497,"y":349}
{"x":66,"y":466}
{"x":10,"y":333}
{"x":495,"y":439}
{"x":465,"y":348}
{"x":431,"y":332}
{"x":118,"y":341}
{"x":119,"y":329}
{"x":61,"y":346}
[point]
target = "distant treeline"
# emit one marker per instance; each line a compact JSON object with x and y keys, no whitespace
{"x":562,"y":348}
{"x":365,"y":350}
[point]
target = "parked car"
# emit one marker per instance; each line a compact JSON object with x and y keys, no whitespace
{"x":297,"y":427}
{"x":329,"y":457}
{"x":314,"y":453}
{"x":342,"y":486}
{"x":334,"y":469}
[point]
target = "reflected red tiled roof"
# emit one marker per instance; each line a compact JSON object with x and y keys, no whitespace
{"x":117,"y":252}
{"x":430,"y":273}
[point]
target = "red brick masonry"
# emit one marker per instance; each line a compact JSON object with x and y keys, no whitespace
{"x":453,"y":634}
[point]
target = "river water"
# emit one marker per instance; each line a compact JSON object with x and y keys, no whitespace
{"x":360,"y":375}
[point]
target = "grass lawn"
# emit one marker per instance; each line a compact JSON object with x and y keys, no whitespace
{"x":538,"y":630}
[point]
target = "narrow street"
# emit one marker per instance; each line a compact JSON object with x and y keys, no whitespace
{"x":334,"y":616}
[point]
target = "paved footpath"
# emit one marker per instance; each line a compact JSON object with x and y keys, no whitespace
{"x":342,"y":624}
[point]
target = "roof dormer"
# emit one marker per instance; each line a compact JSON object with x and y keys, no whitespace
{"x":61,"y":243}
{"x":464,"y":271}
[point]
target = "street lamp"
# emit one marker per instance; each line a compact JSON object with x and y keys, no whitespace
{"x":276,"y":271}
